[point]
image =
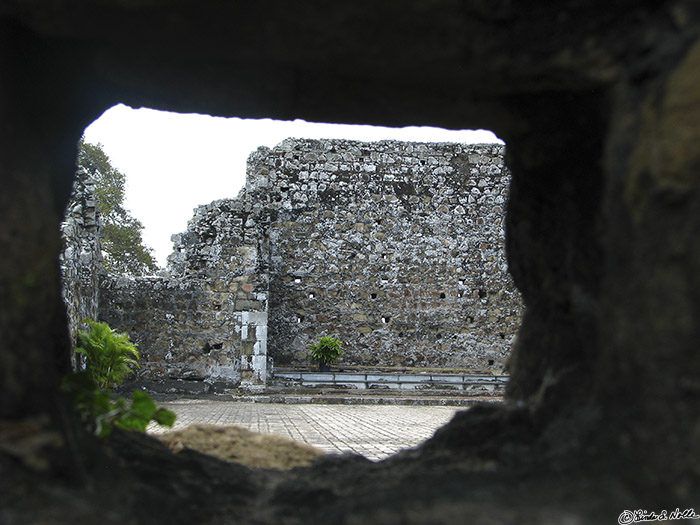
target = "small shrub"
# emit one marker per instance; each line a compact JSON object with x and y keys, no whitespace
{"x":110,"y":356}
{"x":327,"y":350}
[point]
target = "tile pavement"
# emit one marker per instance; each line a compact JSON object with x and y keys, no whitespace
{"x":373,"y":431}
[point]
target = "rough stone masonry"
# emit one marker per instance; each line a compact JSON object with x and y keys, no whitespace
{"x":396,"y":248}
{"x":598,"y":103}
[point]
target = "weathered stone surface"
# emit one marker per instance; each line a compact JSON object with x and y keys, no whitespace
{"x":207,"y":320}
{"x":601,"y":234}
{"x":396,"y":248}
{"x":81,"y":256}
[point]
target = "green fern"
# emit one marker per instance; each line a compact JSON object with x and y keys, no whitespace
{"x":110,"y":355}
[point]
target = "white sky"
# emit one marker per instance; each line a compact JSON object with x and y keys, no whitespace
{"x":175,"y":162}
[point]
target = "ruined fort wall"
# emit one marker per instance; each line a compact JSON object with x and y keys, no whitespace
{"x":206,"y":321}
{"x":396,"y":248}
{"x":81,"y":256}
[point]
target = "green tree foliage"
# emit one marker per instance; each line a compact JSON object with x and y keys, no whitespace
{"x":122,"y":241}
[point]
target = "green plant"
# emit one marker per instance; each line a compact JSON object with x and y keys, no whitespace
{"x":110,"y":356}
{"x":122,"y":235}
{"x":327,"y":350}
{"x":101,"y":411}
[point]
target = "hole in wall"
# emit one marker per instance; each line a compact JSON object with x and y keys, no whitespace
{"x":394,"y":281}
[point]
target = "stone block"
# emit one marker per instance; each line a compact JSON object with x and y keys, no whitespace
{"x":320,"y":376}
{"x":382,"y":378}
{"x":349,"y":378}
{"x":447,"y":379}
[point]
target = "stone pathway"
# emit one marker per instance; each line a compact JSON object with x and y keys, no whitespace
{"x":375,"y":431}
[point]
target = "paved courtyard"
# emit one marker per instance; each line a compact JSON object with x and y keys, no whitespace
{"x":373,"y":431}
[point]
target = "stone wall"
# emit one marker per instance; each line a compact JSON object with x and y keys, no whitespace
{"x":397,"y":248}
{"x":204,"y":325}
{"x":81,"y":255}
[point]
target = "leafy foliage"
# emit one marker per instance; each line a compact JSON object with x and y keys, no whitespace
{"x":327,"y":350}
{"x":99,"y":410}
{"x":110,"y":356}
{"x":123,"y":241}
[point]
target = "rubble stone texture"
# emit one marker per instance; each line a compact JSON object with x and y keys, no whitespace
{"x":598,"y":104}
{"x":397,"y":248}
{"x":81,"y":256}
{"x":207,"y":321}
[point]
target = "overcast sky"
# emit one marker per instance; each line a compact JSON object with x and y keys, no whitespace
{"x":175,"y":162}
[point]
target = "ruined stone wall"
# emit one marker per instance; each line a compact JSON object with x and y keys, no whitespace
{"x":206,"y":322}
{"x":81,"y":256}
{"x":397,"y":248}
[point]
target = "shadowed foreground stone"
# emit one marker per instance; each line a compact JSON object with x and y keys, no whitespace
{"x":598,"y":104}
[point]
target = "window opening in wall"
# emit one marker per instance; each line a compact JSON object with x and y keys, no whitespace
{"x":371,"y":249}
